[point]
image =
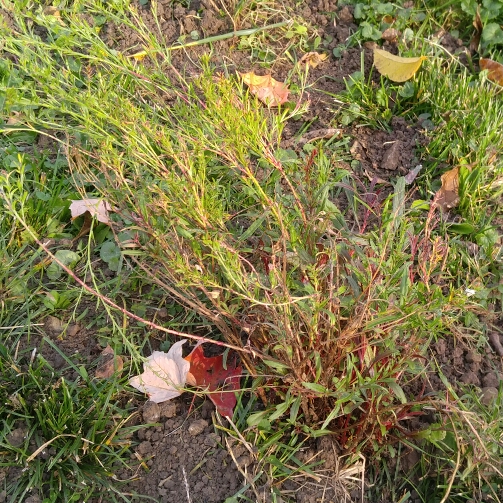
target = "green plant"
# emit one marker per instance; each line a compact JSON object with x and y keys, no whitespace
{"x":60,"y":437}
{"x":251,"y":242}
{"x":491,"y":18}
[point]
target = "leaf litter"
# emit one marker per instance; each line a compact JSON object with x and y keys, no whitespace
{"x":266,"y":88}
{"x":396,"y":68}
{"x":97,"y":208}
{"x":166,"y":374}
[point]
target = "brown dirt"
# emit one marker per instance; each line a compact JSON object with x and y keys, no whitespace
{"x":184,"y":453}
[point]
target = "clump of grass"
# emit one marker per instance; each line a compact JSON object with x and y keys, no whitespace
{"x":62,"y":439}
{"x":249,"y":239}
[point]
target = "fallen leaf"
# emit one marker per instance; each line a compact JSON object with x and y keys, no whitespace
{"x":313,"y":59}
{"x":390,"y":35}
{"x":411,"y":175}
{"x":447,"y":196}
{"x":16,"y":118}
{"x":110,"y":363}
{"x":266,"y":89}
{"x":55,"y":13}
{"x":139,"y":56}
{"x":477,"y":24}
{"x":396,"y":68}
{"x":209,"y":372}
{"x":164,"y":374}
{"x":96,"y":207}
{"x":494,"y":70}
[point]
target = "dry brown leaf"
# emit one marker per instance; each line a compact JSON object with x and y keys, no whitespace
{"x":447,"y":196}
{"x":110,"y":364}
{"x":477,"y":24}
{"x":313,"y":59}
{"x":494,"y":69}
{"x":390,"y":35}
{"x":16,"y":118}
{"x":266,"y":89}
{"x":96,"y":207}
{"x":54,"y":12}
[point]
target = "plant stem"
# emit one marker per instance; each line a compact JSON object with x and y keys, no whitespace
{"x":216,"y":38}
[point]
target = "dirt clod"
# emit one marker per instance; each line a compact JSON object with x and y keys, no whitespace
{"x":473,"y":357}
{"x":16,"y":437}
{"x":167,"y":410}
{"x":151,"y":412}
{"x":53,"y":326}
{"x":391,"y":157}
{"x":491,"y":380}
{"x":197,"y":427}
{"x":470,"y":377}
{"x":489,"y":395}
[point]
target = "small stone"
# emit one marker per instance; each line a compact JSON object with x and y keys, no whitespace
{"x":73,"y":329}
{"x":197,"y":427}
{"x":489,"y":395}
{"x":167,"y":409}
{"x":151,"y":412}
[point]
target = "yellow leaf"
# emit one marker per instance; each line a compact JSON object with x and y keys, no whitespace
{"x":394,"y":67}
{"x":313,"y":59}
{"x":266,"y":89}
{"x":139,"y":56}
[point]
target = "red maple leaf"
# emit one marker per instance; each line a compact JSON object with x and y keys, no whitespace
{"x":209,"y":372}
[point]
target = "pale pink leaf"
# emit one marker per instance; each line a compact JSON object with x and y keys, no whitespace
{"x":164,"y":374}
{"x":96,"y":207}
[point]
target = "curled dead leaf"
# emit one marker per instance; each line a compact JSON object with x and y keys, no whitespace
{"x":164,"y":374}
{"x":494,"y":70}
{"x":313,"y":59}
{"x":266,"y":88}
{"x":110,"y":363}
{"x":447,"y":196}
{"x":477,"y":24}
